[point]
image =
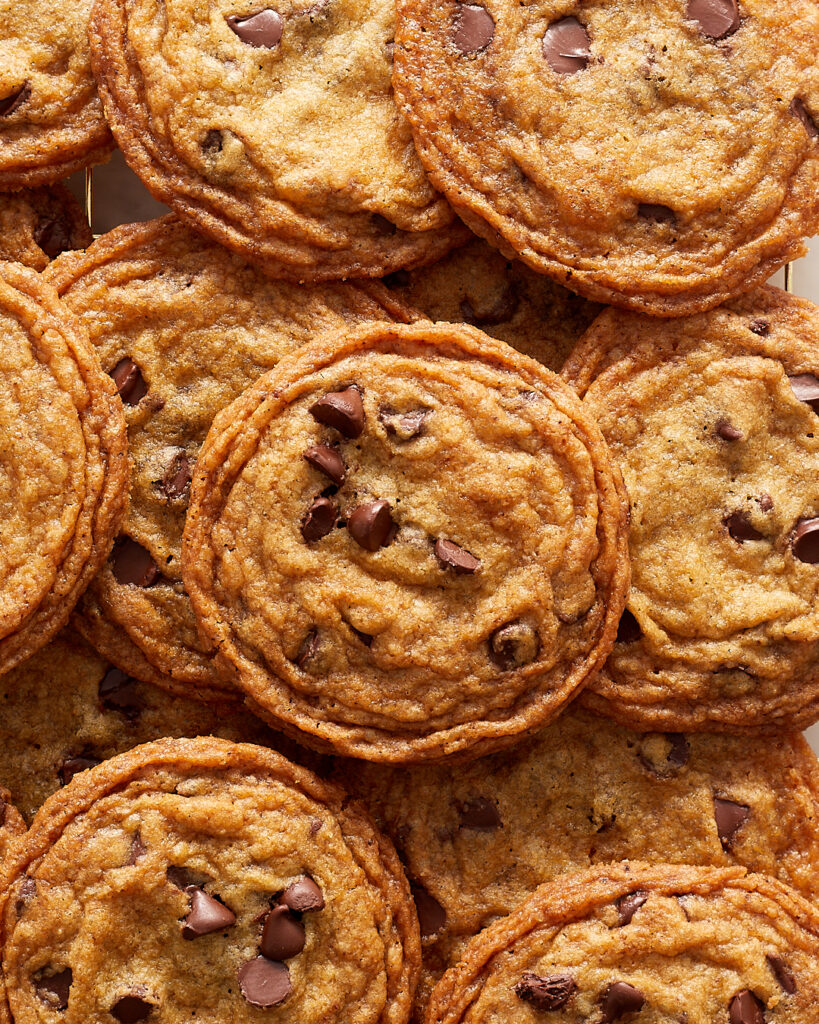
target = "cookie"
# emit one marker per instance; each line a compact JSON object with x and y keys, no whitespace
{"x":51,"y":119}
{"x":273,"y":130}
{"x":209,"y":880}
{"x":477,"y":839}
{"x":710,"y":419}
{"x":474,"y":284}
{"x":11,"y":825}
{"x":697,"y":944}
{"x":183,"y":326}
{"x":659,"y":156}
{"x":63,"y":463}
{"x":406,"y":542}
{"x":38,"y":224}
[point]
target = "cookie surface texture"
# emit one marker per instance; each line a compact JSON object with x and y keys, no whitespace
{"x":36,"y":225}
{"x":209,"y":880}
{"x":407,"y":542}
{"x":659,"y":156}
{"x":11,"y":825}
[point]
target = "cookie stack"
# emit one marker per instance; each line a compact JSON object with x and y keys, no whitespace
{"x":389,"y":630}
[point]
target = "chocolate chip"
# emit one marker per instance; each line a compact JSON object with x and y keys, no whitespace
{"x":74,"y":765}
{"x":132,"y":564}
{"x":782,"y":973}
{"x":328,"y":461}
{"x":371,"y":525}
{"x":740,"y":528}
{"x":628,"y":629}
{"x":53,"y":236}
{"x":212,"y":143}
{"x":566,"y":46}
{"x":129,"y":381}
{"x":303,"y":896}
{"x":342,"y":410}
{"x":805,"y":543}
{"x":262,"y":30}
{"x":765,"y":502}
{"x":206,"y":915}
{"x":663,"y":754}
{"x":806,"y":388}
{"x":620,"y":999}
{"x":760,"y":327}
{"x":264,"y":982}
{"x":716,"y":18}
{"x":745,"y":1008}
{"x":28,"y":891}
{"x":120,"y":692}
{"x":404,"y":425}
{"x":546,"y":993}
{"x":183,"y":878}
{"x":656,"y":212}
{"x":678,"y":754}
{"x":452,"y":556}
{"x":480,"y":814}
{"x":16,"y":99}
{"x":131,"y":1009}
{"x":177,"y":476}
{"x":474,"y":28}
{"x":137,"y":851}
{"x":283,"y":936}
{"x":800,"y":110}
{"x":431,"y":915}
{"x":728,"y":432}
{"x":514,"y":645}
{"x":308,"y":648}
{"x":319,"y":519}
{"x":730,"y":817}
{"x":3,"y":808}
{"x":54,"y":989}
{"x":627,"y":906}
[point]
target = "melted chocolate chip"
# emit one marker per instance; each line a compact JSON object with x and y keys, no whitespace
{"x":628,"y":630}
{"x":74,"y":765}
{"x":177,"y":476}
{"x":739,"y":528}
{"x":745,"y":1008}
{"x":283,"y":936}
{"x":546,"y":993}
{"x":54,"y":989}
{"x":620,"y":999}
{"x":137,"y":851}
{"x":404,"y":425}
{"x":264,"y":983}
{"x":715,"y":18}
{"x":627,"y":906}
{"x":120,"y":692}
{"x":805,"y":542}
{"x":765,"y":502}
{"x":728,"y":432}
{"x":452,"y":556}
{"x":206,"y":915}
{"x":131,"y":1009}
{"x":15,"y":100}
{"x":480,"y":814}
{"x":806,"y":388}
{"x":329,"y":461}
{"x":132,"y":564}
{"x":730,"y":817}
{"x":474,"y":28}
{"x":129,"y":381}
{"x":566,"y":46}
{"x":53,"y":236}
{"x":678,"y":754}
{"x":656,"y":212}
{"x":659,"y":761}
{"x":263,"y":30}
{"x":431,"y":915}
{"x":303,"y":896}
{"x":800,"y":110}
{"x":319,"y":519}
{"x":514,"y":645}
{"x":371,"y":525}
{"x":342,"y":410}
{"x":308,"y":648}
{"x":782,"y":973}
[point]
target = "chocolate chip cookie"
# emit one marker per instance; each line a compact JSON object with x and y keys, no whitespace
{"x":182,"y":326}
{"x":406,"y":542}
{"x":273,"y":129}
{"x":51,"y":119}
{"x":658,"y":156}
{"x":712,"y":420}
{"x":474,"y":284}
{"x":477,"y":839}
{"x":63,"y":463}
{"x":38,"y":224}
{"x":209,"y":880}
{"x":11,"y":825}
{"x":663,"y":944}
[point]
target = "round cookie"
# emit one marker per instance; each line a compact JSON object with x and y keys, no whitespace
{"x":477,"y":839}
{"x":184,"y":326}
{"x":699,"y":945}
{"x":11,"y":825}
{"x":658,"y":156}
{"x":209,"y":880}
{"x":51,"y":119}
{"x":407,"y":542}
{"x":63,"y":463}
{"x":273,"y":129}
{"x":38,"y":224}
{"x":710,"y":419}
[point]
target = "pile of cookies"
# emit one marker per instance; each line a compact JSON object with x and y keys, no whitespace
{"x":389,"y":630}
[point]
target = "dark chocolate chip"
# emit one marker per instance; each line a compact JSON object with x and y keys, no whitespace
{"x":283,"y":936}
{"x":15,"y":100}
{"x":546,"y":993}
{"x":730,"y":817}
{"x":620,"y":999}
{"x":264,"y":982}
{"x":206,"y":915}
{"x":74,"y":765}
{"x":501,"y":311}
{"x":627,"y":906}
{"x":760,"y":326}
{"x":303,"y":896}
{"x":656,"y":212}
{"x":131,"y":1009}
{"x":739,"y":528}
{"x":329,"y":461}
{"x":805,"y":541}
{"x":431,"y":915}
{"x":308,"y":648}
{"x":514,"y":645}
{"x":53,"y":236}
{"x":452,"y":556}
{"x":404,"y":425}
{"x":177,"y":476}
{"x":371,"y":525}
{"x":319,"y":519}
{"x":474,"y":28}
{"x":129,"y":381}
{"x":765,"y":502}
{"x":566,"y":46}
{"x":782,"y":973}
{"x":806,"y":388}
{"x":120,"y":692}
{"x":28,"y":890}
{"x":675,"y":758}
{"x":628,"y":630}
{"x":715,"y":18}
{"x":54,"y":989}
{"x":678,"y":754}
{"x":800,"y":110}
{"x":745,"y":1008}
{"x":342,"y":410}
{"x":728,"y":432}
{"x":132,"y":564}
{"x":480,"y":814}
{"x":263,"y":30}
{"x":137,"y":851}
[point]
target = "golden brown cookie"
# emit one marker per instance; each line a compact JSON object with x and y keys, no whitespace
{"x":661,"y":156}
{"x":38,"y":224}
{"x":183,"y":326}
{"x":699,"y":945}
{"x":407,"y":542}
{"x":477,"y":839}
{"x":712,"y":422}
{"x":206,"y":880}
{"x":273,"y":130}
{"x":11,"y":826}
{"x":63,"y":463}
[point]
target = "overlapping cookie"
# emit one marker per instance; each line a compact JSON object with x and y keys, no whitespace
{"x":36,"y":225}
{"x":11,"y":825}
